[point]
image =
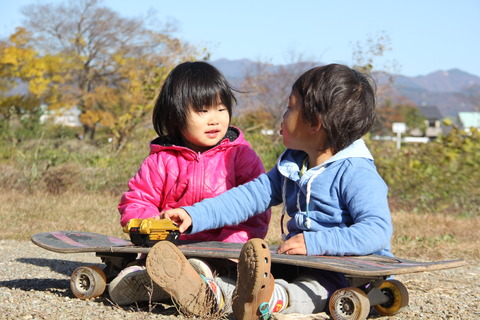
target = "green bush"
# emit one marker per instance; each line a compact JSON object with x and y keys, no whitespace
{"x":440,"y":176}
{"x":267,"y":147}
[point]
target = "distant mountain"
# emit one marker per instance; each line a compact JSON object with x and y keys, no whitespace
{"x":448,"y":90}
{"x":234,"y":70}
{"x":454,"y":80}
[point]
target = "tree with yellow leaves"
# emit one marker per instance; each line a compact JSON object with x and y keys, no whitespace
{"x":109,"y":66}
{"x":25,"y":78}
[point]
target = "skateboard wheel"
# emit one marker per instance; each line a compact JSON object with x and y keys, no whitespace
{"x":349,"y":304}
{"x":398,"y":298}
{"x":88,"y":282}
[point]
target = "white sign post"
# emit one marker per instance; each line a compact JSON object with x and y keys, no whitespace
{"x":399,"y":128}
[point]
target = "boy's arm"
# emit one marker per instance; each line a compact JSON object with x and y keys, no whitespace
{"x":231,"y":207}
{"x":248,"y":166}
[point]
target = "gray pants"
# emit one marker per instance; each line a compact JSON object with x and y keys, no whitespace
{"x":307,"y":294}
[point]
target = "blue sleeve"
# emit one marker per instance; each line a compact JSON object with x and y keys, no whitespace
{"x":364,"y":195}
{"x":235,"y":205}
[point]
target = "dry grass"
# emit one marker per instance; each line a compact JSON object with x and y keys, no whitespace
{"x":24,"y":214}
{"x":435,"y":236}
{"x":419,"y":236}
{"x":274,"y":235}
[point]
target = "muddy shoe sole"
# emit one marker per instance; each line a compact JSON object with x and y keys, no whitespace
{"x":255,"y":283}
{"x":169,"y":269}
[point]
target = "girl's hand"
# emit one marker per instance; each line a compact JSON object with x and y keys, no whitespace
{"x":180,"y":217}
{"x":294,"y":245}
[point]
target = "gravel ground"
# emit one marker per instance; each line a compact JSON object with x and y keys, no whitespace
{"x":34,"y":284}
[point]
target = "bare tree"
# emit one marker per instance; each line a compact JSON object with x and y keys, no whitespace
{"x":98,"y":46}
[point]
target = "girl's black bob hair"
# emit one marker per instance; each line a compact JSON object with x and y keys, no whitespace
{"x":190,"y":86}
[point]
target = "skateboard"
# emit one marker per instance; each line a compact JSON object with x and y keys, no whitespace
{"x":369,"y":276}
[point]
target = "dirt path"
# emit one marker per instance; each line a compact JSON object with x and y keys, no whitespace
{"x":34,"y":285}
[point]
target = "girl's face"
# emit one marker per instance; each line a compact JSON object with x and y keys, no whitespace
{"x":294,"y":129}
{"x":206,"y":128}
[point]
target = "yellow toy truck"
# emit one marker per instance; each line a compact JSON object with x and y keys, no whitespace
{"x":147,"y":232}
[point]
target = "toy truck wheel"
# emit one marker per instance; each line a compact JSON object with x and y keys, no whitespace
{"x":88,"y":282}
{"x":349,"y":304}
{"x":398,"y":298}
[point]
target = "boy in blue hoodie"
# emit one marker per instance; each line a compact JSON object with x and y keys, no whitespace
{"x":329,"y":187}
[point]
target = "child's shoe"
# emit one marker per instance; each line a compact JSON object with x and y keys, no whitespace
{"x":202,"y":267}
{"x":255,"y":283}
{"x":132,"y":285}
{"x":170,"y":269}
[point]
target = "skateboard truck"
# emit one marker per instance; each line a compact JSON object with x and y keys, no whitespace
{"x":147,"y":232}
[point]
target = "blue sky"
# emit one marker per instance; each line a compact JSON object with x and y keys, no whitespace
{"x":425,"y":35}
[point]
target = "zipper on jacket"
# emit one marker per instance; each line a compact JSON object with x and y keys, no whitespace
{"x":199,"y":178}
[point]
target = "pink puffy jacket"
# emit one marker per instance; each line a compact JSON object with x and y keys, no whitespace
{"x":174,"y":176}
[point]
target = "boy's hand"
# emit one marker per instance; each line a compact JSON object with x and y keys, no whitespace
{"x":294,"y":245}
{"x":180,"y":217}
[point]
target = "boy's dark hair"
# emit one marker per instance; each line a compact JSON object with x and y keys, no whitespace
{"x":341,"y":98}
{"x":189,"y":85}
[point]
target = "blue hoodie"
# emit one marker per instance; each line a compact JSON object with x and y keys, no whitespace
{"x":347,"y":212}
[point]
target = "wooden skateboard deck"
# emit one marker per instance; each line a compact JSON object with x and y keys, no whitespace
{"x":367,"y":266}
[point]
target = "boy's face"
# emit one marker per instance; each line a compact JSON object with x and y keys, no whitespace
{"x":206,"y":128}
{"x":295,"y":130}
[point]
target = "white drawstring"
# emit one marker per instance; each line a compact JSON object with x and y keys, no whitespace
{"x":307,"y":223}
{"x":284,"y":210}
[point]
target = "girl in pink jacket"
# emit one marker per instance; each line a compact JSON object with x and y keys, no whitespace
{"x":197,"y":155}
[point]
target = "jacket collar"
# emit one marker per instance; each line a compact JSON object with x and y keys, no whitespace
{"x":290,"y":161}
